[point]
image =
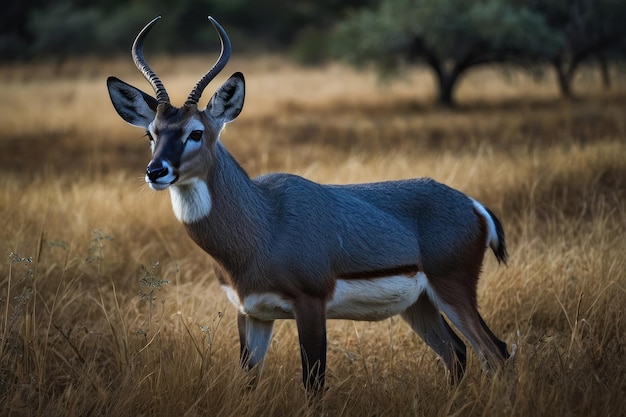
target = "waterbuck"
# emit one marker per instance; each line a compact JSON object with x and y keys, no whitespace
{"x":289,"y":248}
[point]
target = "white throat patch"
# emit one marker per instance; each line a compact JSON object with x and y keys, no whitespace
{"x":191,"y":200}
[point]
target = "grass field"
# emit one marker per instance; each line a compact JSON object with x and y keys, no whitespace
{"x":108,"y":308}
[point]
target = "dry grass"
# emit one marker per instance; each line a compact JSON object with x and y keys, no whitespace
{"x":86,"y":330}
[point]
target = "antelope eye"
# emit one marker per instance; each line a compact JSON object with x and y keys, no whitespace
{"x":150,"y":138}
{"x":196,"y":135}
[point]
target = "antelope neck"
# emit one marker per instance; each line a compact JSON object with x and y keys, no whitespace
{"x":231,"y":212}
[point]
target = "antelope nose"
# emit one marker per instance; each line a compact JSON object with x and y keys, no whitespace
{"x":155,"y":172}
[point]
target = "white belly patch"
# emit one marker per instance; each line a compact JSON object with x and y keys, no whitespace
{"x":354,"y":299}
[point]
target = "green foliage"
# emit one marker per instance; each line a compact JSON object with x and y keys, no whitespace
{"x":584,"y":26}
{"x":311,"y":46}
{"x":509,"y":28}
{"x":374,"y":36}
{"x":63,"y":31}
{"x":45,"y":28}
{"x":115,"y":31}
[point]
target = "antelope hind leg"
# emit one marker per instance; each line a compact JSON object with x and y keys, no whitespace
{"x":425,"y":319}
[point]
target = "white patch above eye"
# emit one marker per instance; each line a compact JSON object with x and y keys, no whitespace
{"x":190,"y":144}
{"x":192,"y":126}
{"x":191,"y":200}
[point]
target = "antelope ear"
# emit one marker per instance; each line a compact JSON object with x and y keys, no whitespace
{"x":227,"y":102}
{"x":132,"y":104}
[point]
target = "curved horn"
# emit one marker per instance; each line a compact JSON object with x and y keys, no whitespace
{"x":195,"y":94}
{"x":142,"y":65}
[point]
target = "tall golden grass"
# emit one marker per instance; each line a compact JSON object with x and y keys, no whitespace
{"x":107,"y":307}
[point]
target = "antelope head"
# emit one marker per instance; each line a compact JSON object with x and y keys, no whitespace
{"x":182,"y":139}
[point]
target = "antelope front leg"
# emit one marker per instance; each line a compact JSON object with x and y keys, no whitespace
{"x":310,"y":314}
{"x":254,"y":340}
{"x":243,"y":347}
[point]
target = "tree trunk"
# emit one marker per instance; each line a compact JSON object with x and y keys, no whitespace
{"x":445,"y":79}
{"x":447,"y":76}
{"x":446,"y":88}
{"x":446,"y":83}
{"x":564,"y":78}
{"x":605,"y":72}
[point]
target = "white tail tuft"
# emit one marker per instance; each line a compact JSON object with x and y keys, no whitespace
{"x":495,"y":233}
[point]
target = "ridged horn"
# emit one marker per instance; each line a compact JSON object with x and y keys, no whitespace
{"x":142,"y":65}
{"x":195,"y":94}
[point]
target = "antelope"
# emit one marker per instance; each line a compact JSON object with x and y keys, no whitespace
{"x":289,"y":248}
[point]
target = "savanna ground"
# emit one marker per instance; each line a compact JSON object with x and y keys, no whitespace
{"x":108,"y":308}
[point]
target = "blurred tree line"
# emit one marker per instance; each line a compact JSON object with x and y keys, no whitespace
{"x":450,"y":36}
{"x":453,"y":36}
{"x":57,"y":29}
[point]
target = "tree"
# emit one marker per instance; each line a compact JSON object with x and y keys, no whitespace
{"x":450,"y":36}
{"x":586,"y":28}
